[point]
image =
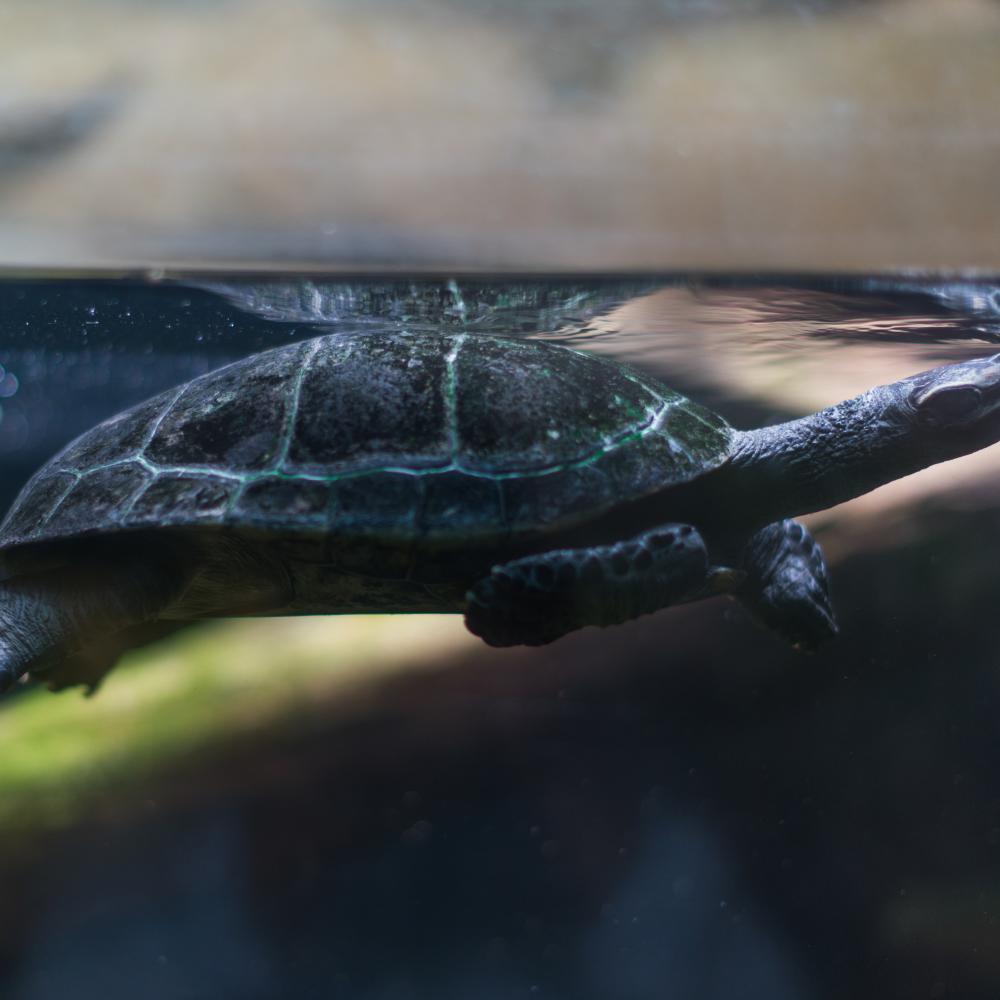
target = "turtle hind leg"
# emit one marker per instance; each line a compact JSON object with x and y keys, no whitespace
{"x":539,"y":598}
{"x":88,"y":667}
{"x":787,"y":585}
{"x":47,"y":620}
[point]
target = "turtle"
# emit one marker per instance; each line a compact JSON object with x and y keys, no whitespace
{"x":531,"y":486}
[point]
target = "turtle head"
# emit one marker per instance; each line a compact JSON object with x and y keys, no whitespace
{"x":954,"y":409}
{"x":884,"y":434}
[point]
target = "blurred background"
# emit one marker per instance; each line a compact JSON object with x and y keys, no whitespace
{"x":805,"y":192}
{"x":513,"y":134}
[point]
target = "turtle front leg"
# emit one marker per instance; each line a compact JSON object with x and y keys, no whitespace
{"x":787,"y":587}
{"x":49,"y":618}
{"x":539,"y":598}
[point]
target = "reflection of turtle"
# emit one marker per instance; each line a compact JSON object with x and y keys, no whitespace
{"x":525,"y":306}
{"x":535,"y":488}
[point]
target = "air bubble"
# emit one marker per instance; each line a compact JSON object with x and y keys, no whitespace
{"x":9,"y":384}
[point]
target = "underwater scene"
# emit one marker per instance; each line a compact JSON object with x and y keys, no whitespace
{"x":393,"y":637}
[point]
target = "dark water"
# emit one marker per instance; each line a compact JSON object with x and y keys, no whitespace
{"x":680,"y":807}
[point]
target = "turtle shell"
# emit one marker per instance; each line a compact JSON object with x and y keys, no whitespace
{"x":397,"y":436}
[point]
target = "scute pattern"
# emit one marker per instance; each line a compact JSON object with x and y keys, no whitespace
{"x":531,"y":502}
{"x":381,"y":503}
{"x":97,"y":496}
{"x":37,"y":501}
{"x":557,"y":407}
{"x":278,"y":500}
{"x":182,"y":498}
{"x":697,"y":436}
{"x":232,"y":421}
{"x":372,"y":402}
{"x":122,"y":435}
{"x":456,"y":503}
{"x":649,"y":461}
{"x":391,"y":436}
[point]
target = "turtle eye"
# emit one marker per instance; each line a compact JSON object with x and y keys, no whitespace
{"x":950,"y":404}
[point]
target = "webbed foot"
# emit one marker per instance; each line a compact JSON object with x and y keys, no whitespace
{"x":787,"y":586}
{"x":89,"y":666}
{"x":538,"y":599}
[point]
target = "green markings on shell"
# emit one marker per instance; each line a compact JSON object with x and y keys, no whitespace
{"x":383,"y":503}
{"x":233,"y":421}
{"x":695,"y":431}
{"x":395,"y":435}
{"x":96,"y":497}
{"x":175,"y":498}
{"x":556,"y":407}
{"x":273,"y":500}
{"x":532,"y":502}
{"x":122,"y":435}
{"x":455,"y":503}
{"x":372,"y":403}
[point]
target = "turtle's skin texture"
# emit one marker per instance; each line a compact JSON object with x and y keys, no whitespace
{"x":532,"y":487}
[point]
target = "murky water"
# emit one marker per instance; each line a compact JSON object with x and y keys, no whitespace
{"x":385,"y":808}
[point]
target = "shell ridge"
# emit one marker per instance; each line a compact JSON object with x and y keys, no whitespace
{"x":294,"y":402}
{"x":136,"y":494}
{"x":195,"y":471}
{"x":158,"y":422}
{"x":62,"y":498}
{"x":654,"y":419}
{"x":450,"y":388}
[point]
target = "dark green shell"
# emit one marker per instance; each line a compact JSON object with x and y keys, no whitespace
{"x":399,"y":436}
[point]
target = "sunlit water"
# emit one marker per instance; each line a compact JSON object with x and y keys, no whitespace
{"x":678,"y":807}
